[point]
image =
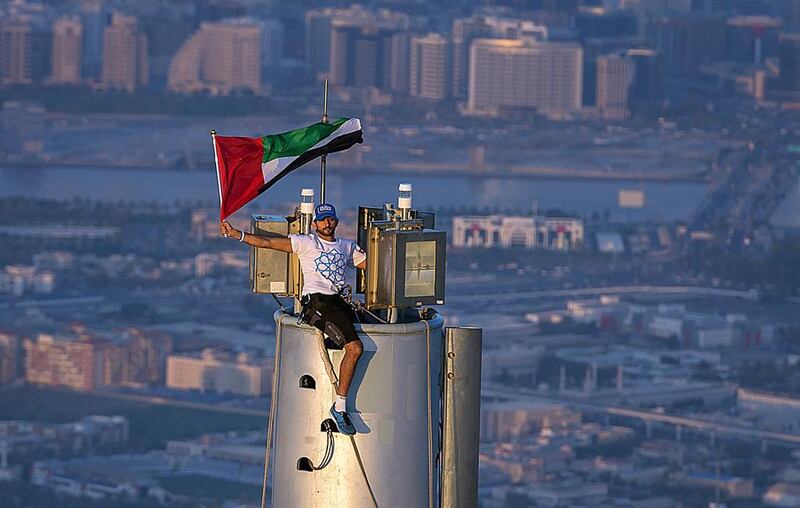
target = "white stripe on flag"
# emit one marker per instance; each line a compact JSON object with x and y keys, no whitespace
{"x":273,"y":168}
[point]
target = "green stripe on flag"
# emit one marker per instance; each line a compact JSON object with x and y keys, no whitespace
{"x":297,"y":142}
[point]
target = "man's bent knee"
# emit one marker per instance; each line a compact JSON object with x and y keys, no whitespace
{"x":354,"y":347}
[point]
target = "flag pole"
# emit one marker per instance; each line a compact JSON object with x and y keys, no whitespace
{"x":216,"y":165}
{"x":323,"y":162}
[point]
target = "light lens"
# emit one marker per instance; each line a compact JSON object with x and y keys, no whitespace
{"x":420,"y":277}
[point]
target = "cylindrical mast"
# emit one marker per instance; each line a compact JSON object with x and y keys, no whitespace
{"x":323,"y":162}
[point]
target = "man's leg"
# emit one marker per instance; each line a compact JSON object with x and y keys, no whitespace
{"x":352,"y":352}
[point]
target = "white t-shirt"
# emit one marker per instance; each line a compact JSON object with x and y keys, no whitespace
{"x":326,"y":266}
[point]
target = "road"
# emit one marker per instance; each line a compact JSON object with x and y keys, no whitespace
{"x":520,"y":394}
{"x":506,"y":296}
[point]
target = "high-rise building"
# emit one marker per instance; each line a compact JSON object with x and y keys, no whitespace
{"x":687,"y":41}
{"x":9,"y":353}
{"x":67,"y":50}
{"x":355,"y":46}
{"x":220,"y":57}
{"x":789,"y":58}
{"x":318,"y":40}
{"x":272,"y":35}
{"x":361,"y":48}
{"x":600,"y":22}
{"x":648,"y":76}
{"x":752,"y":39}
{"x":466,"y":30}
{"x":125,"y":64}
{"x":429,"y":67}
{"x":16,"y":51}
{"x":400,"y":63}
{"x":789,"y":11}
{"x":614,"y":78}
{"x":505,"y":73}
{"x":94,"y":17}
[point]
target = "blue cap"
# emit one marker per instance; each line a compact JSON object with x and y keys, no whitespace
{"x":324,"y":210}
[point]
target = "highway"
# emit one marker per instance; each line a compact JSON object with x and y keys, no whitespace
{"x":506,"y":296}
{"x":719,"y":429}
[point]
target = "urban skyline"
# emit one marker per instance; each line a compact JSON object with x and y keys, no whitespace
{"x":618,"y":180}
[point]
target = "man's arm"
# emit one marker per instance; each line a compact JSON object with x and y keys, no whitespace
{"x":276,"y":242}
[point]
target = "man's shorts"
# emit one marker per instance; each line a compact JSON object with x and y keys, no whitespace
{"x":331,"y":315}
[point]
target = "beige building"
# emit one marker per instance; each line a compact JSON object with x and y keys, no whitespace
{"x":125,"y":64}
{"x":219,"y":58}
{"x":524,"y":73}
{"x":217,"y":372}
{"x":429,"y":67}
{"x":614,"y":78}
{"x":507,"y":421}
{"x":67,"y":51}
{"x":82,"y":364}
{"x":16,"y":51}
{"x":480,"y":26}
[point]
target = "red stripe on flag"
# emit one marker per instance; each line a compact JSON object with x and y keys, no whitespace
{"x":239,"y":165}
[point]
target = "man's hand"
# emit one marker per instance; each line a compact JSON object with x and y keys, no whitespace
{"x":227,"y":230}
{"x":274,"y":241}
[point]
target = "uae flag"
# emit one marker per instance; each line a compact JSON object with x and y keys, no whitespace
{"x":246,"y":167}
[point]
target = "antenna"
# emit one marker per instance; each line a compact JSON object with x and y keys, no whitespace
{"x":323,"y":162}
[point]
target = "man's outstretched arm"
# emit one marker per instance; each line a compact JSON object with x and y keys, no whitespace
{"x":276,"y":242}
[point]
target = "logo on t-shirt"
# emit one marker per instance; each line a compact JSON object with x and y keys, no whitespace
{"x":332,"y":266}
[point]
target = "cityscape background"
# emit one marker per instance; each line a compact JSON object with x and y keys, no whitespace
{"x":619,"y":184}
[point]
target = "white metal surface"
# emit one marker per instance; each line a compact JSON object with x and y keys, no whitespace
{"x":390,"y":410}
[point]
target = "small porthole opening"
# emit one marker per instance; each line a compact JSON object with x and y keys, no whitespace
{"x":307,"y":382}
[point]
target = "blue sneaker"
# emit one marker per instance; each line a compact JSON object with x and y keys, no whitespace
{"x":342,"y":420}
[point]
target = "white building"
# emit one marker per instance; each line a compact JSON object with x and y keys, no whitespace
{"x":18,"y":280}
{"x":212,"y":371}
{"x":530,"y":232}
{"x":429,"y":66}
{"x":514,"y":73}
{"x":713,"y":337}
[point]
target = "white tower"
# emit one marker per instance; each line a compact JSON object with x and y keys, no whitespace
{"x":395,"y":411}
{"x":415,"y":395}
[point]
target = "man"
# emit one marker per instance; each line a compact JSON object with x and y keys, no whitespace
{"x":325,"y":262}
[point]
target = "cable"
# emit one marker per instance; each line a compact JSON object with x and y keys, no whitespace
{"x":328,"y":456}
{"x":347,"y":295}
{"x":430,"y":411}
{"x":326,"y":360}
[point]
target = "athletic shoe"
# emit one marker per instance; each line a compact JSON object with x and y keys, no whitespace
{"x":342,"y":420}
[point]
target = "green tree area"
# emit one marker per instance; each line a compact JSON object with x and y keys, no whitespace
{"x":209,"y":488}
{"x":23,"y":495}
{"x":769,"y":377}
{"x":151,"y":425}
{"x":777,"y":271}
{"x":86,"y":100}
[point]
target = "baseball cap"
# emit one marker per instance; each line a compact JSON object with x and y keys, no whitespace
{"x":324,"y":210}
